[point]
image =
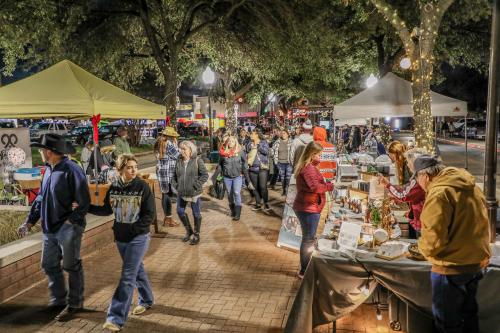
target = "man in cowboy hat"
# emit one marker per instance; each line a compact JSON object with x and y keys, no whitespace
{"x":64,"y":184}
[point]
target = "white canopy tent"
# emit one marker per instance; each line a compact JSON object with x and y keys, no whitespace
{"x":391,"y":96}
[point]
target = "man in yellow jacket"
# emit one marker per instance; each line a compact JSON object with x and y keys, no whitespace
{"x":455,"y":239}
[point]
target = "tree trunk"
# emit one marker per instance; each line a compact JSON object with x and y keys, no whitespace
{"x":171,"y":85}
{"x":231,"y":119}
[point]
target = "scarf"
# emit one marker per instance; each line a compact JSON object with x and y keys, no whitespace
{"x":223,"y":152}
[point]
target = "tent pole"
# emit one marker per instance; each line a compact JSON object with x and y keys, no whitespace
{"x":490,"y":160}
{"x":466,"y":144}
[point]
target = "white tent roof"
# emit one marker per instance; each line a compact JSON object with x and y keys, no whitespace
{"x":391,"y":96}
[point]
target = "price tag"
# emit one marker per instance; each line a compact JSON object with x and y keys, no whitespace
{"x":349,"y":235}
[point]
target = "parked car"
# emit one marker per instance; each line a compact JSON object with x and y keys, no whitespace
{"x":457,"y":125}
{"x":193,"y":129}
{"x":475,"y":129}
{"x":79,"y":135}
{"x":249,"y":126}
{"x":37,"y":129}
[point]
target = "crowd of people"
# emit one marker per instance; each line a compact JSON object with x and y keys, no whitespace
{"x":447,"y":211}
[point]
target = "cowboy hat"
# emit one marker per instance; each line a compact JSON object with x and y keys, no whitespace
{"x":54,"y":142}
{"x":170,"y":131}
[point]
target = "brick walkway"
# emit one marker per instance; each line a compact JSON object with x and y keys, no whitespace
{"x":236,"y":280}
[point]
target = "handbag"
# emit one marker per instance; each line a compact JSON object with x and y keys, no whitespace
{"x":217,"y":190}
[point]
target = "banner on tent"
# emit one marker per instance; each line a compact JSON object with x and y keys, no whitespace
{"x":14,"y":140}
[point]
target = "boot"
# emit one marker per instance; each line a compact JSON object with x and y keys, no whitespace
{"x":237,"y":213}
{"x":189,"y":231}
{"x":231,"y":207}
{"x":197,"y":225}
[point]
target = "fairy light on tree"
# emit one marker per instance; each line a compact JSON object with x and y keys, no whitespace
{"x":419,"y":45}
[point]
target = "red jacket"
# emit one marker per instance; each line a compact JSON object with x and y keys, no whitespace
{"x":413,"y":194}
{"x":311,"y":188}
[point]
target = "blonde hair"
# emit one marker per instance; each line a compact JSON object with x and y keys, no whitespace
{"x":306,"y":157}
{"x":398,"y":149}
{"x":225,"y":144}
{"x":123,"y":159}
{"x":412,"y":154}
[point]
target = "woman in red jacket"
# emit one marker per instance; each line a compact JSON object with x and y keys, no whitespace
{"x":310,"y":199}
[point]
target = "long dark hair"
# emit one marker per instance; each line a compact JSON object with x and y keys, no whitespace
{"x":259,"y":133}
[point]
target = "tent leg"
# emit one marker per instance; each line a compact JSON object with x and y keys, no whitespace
{"x":466,"y":145}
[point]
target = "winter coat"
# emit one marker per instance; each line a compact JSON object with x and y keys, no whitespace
{"x":262,"y":155}
{"x":311,"y":188}
{"x":455,"y":227}
{"x":121,"y":147}
{"x":188,"y":179}
{"x":276,"y":147}
{"x":413,"y":194}
{"x":233,"y":166}
{"x":298,"y":146}
{"x":327,"y":166}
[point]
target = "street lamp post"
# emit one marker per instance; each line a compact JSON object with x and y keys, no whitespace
{"x":208,"y":78}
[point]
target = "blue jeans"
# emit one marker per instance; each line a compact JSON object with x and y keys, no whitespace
{"x":64,"y":245}
{"x":195,"y":207}
{"x":285,"y":174}
{"x":133,"y":275}
{"x":309,"y":224}
{"x":454,"y":304}
{"x":233,"y":187}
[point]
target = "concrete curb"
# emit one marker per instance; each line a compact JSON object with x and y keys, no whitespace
{"x":469,"y":145}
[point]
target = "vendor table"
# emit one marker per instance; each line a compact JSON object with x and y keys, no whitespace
{"x":332,"y":287}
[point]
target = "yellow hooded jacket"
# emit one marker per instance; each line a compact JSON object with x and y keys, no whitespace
{"x":455,"y":228}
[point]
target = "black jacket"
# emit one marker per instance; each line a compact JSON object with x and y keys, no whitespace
{"x":134,"y":206}
{"x":188,"y":179}
{"x":61,"y":186}
{"x":234,"y":166}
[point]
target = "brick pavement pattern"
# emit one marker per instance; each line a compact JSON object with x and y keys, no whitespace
{"x":236,"y":280}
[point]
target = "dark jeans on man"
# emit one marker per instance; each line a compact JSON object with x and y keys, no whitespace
{"x":309,"y":224}
{"x":64,"y":245}
{"x":259,"y":181}
{"x":454,"y":304}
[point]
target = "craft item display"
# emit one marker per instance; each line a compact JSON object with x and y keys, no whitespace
{"x":391,"y":250}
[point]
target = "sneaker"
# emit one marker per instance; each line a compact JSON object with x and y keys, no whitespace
{"x":267,"y":208}
{"x":67,"y":313}
{"x":256,"y":208}
{"x":140,"y":309}
{"x":111,"y":327}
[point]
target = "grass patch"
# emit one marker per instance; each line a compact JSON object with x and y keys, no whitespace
{"x":9,"y":222}
{"x":37,"y":158}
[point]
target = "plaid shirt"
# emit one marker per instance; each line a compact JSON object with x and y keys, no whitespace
{"x":165,"y":167}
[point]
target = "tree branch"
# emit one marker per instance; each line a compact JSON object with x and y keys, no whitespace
{"x":150,"y":34}
{"x":392,"y":16}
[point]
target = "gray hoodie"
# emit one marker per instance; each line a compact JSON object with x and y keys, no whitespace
{"x":298,"y":146}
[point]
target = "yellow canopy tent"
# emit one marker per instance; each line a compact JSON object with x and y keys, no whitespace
{"x":67,"y":90}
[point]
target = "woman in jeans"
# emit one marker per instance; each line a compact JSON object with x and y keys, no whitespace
{"x":281,"y":151}
{"x":166,"y":153}
{"x":258,"y":163}
{"x":189,"y":176}
{"x":133,"y":204}
{"x":310,"y":199}
{"x":233,"y":166}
